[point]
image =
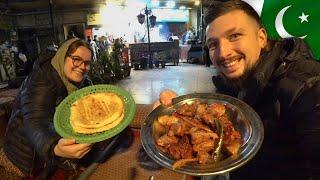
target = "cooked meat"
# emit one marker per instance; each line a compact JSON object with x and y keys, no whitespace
{"x":185,"y":148}
{"x":231,"y":138}
{"x":211,"y":113}
{"x":217,"y":109}
{"x":201,"y":136}
{"x":180,"y":128}
{"x":166,"y":141}
{"x":191,"y":133}
{"x":233,"y":147}
{"x":203,"y":157}
{"x":226,"y":123}
{"x":174,"y":151}
{"x":192,"y":121}
{"x":167,"y":120}
{"x":208,"y":119}
{"x":201,"y":109}
{"x":178,"y":150}
{"x":204,"y":146}
{"x":188,"y":109}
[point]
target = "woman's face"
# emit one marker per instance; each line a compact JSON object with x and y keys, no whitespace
{"x":77,"y":64}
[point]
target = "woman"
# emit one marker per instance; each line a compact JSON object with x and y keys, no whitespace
{"x":32,"y":148}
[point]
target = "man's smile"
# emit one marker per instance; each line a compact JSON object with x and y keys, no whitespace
{"x":230,"y":65}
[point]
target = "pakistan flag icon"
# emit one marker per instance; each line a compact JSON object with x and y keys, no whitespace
{"x":291,"y":18}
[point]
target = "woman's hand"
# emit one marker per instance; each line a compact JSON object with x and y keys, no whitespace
{"x":68,"y":148}
{"x":165,"y":98}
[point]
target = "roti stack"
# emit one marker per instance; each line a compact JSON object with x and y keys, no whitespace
{"x":96,"y":113}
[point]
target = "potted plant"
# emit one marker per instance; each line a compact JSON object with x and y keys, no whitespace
{"x":107,"y":68}
{"x":8,"y":65}
{"x":126,"y":69}
{"x":101,"y":70}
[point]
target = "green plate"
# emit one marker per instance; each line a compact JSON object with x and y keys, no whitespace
{"x":61,"y":117}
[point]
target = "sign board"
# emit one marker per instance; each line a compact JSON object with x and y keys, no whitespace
{"x":94,"y":19}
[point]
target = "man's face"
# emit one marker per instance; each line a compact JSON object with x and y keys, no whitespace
{"x":235,"y":42}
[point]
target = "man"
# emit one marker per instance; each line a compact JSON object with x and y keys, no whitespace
{"x":278,"y":79}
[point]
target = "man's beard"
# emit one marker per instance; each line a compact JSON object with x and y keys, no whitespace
{"x":241,"y":82}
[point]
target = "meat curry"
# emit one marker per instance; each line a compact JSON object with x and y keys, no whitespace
{"x":197,"y":132}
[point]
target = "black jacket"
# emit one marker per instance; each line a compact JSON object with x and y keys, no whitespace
{"x":30,"y":136}
{"x":285,"y":92}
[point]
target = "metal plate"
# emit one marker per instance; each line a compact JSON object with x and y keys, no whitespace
{"x":245,"y":120}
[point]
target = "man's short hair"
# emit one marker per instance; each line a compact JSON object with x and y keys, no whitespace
{"x":221,"y":7}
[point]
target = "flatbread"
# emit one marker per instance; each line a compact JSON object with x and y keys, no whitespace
{"x":95,"y":111}
{"x":100,"y":129}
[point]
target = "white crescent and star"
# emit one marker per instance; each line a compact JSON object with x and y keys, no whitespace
{"x":304,"y":17}
{"x":279,"y":23}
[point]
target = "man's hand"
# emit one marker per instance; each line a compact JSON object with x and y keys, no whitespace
{"x":68,"y":148}
{"x":165,"y":98}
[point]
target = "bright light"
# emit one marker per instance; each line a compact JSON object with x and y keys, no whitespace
{"x":120,"y":19}
{"x":135,"y":4}
{"x":155,"y":3}
{"x":115,"y":19}
{"x":171,"y":4}
{"x":171,"y":15}
{"x":196,"y":2}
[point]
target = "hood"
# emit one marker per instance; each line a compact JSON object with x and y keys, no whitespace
{"x":296,"y":48}
{"x":58,"y":64}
